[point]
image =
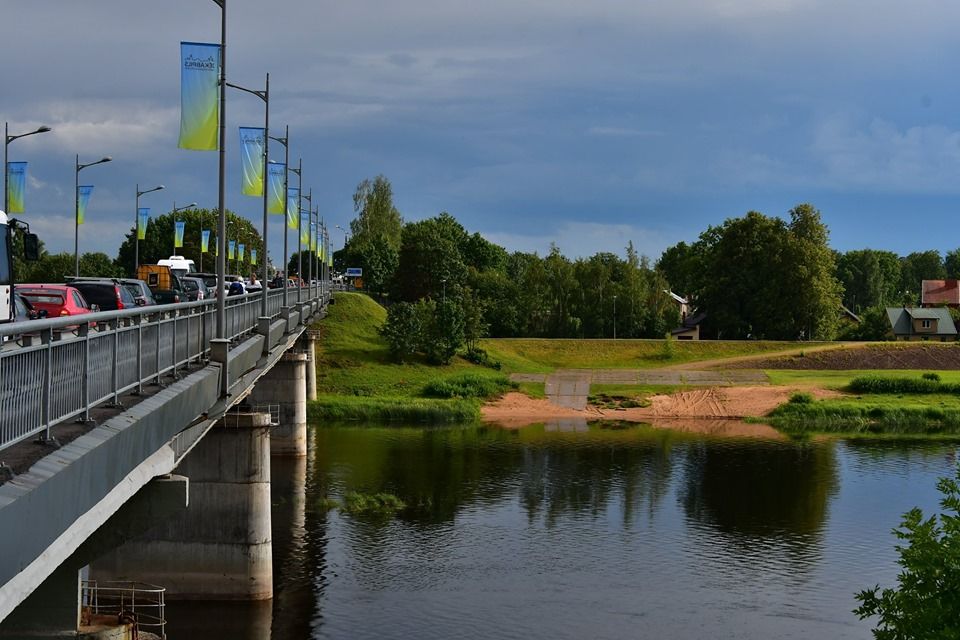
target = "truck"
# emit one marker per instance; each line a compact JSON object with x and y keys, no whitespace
{"x":31,"y":251}
{"x":163,"y":282}
{"x":179,"y":265}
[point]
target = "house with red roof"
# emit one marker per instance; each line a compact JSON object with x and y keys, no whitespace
{"x":940,"y":293}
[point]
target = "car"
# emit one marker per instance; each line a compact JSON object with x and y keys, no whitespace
{"x":141,"y":292}
{"x":107,"y":293}
{"x":24,"y":310}
{"x":194,"y":288}
{"x":56,"y":299}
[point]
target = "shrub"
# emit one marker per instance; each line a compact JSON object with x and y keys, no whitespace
{"x":403,"y":330}
{"x":924,"y":604}
{"x":469,"y":385}
{"x":476,"y":355}
{"x":801,"y":398}
{"x":876,"y":384}
{"x":930,"y":375}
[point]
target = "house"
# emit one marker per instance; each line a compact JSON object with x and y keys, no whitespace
{"x":914,"y":324}
{"x":939,"y":293}
{"x":689,"y":328}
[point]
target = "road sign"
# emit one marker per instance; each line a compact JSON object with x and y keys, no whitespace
{"x":354,"y":272}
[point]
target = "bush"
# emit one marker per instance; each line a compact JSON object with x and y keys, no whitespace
{"x":403,"y":330}
{"x":469,"y":385}
{"x":801,"y":398}
{"x":876,"y":384}
{"x":479,"y":356}
{"x":931,"y":376}
{"x":925,"y":603}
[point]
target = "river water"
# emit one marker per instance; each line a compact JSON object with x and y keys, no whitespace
{"x":565,"y":531}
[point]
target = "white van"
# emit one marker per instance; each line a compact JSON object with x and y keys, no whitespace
{"x":179,"y":265}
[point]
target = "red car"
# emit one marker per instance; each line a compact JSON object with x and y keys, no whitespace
{"x":56,"y":299}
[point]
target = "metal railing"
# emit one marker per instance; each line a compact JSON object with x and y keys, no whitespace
{"x":56,"y":369}
{"x":137,"y":602}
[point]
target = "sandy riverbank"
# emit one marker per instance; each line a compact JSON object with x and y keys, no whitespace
{"x":709,"y":410}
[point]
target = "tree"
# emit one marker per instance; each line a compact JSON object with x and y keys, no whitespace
{"x":403,"y":330}
{"x":444,"y":335}
{"x":869,"y":278}
{"x":916,"y":267}
{"x":430,"y":261}
{"x":952,"y":264}
{"x":760,"y":277}
{"x":925,"y":604}
{"x":376,"y":215}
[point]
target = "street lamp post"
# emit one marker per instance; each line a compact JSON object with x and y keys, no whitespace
{"x":614,"y":317}
{"x":136,"y":227}
{"x":344,"y":236}
{"x":7,"y":139}
{"x":177,"y":210}
{"x":265,"y":96}
{"x":221,"y":332}
{"x":309,"y":199}
{"x":76,"y":208}
{"x":285,"y":141}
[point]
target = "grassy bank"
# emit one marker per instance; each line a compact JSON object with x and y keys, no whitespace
{"x":357,"y":380}
{"x":891,"y":405}
{"x":528,"y":355}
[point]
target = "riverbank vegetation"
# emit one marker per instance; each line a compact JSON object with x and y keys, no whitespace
{"x":921,"y":405}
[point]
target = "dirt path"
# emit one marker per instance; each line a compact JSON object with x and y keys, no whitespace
{"x":720,"y":362}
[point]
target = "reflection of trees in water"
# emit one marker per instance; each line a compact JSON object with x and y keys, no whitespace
{"x":764,"y":497}
{"x":585,"y":479}
{"x":440,"y":471}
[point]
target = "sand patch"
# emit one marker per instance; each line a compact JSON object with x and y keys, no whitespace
{"x":710,"y":410}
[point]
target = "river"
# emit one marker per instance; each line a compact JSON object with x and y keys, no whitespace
{"x":566,"y":531}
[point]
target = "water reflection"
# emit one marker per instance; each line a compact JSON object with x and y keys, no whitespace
{"x":568,"y":530}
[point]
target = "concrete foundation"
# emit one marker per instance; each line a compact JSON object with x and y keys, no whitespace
{"x":286,"y":385}
{"x":220,"y":547}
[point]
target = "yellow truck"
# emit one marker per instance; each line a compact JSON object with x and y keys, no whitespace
{"x":164,"y":284}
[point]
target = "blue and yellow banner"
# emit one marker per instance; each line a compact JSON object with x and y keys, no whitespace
{"x":293,"y":206}
{"x":277,"y":174}
{"x":240,"y":248}
{"x":313,"y":236}
{"x":83,"y":199}
{"x":231,"y":249}
{"x":216,"y":247}
{"x":178,"y":228}
{"x":304,"y":231}
{"x":199,"y":96}
{"x":16,"y":186}
{"x":205,"y":241}
{"x":253,"y":256}
{"x":143,"y":214}
{"x":251,"y":161}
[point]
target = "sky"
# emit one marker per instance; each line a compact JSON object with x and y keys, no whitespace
{"x":585,"y":124}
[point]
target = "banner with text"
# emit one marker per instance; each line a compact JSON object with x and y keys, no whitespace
{"x":16,"y":186}
{"x":83,"y":199}
{"x":277,"y":172}
{"x":199,"y":96}
{"x":251,"y":161}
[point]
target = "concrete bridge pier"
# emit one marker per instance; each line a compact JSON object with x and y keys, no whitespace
{"x":220,"y":547}
{"x":53,"y":609}
{"x":286,"y":385}
{"x":309,"y":340}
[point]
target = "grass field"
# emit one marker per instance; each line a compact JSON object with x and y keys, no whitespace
{"x":840,"y":379}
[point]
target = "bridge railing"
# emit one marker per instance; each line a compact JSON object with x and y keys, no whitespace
{"x":60,"y":368}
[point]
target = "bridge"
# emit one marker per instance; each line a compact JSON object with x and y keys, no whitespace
{"x":135,"y":445}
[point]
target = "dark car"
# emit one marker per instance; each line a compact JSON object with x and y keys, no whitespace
{"x":141,"y":292}
{"x":107,"y":293}
{"x":194,"y":288}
